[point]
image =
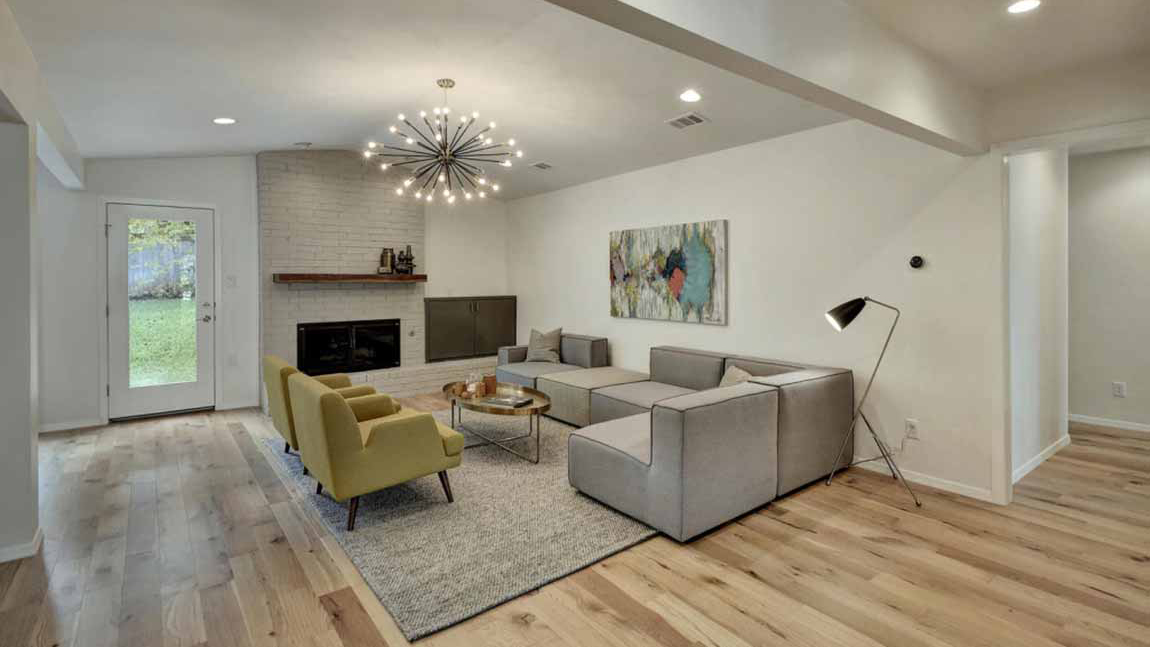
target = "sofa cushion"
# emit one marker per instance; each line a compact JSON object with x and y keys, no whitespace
{"x":642,"y":394}
{"x":683,"y":367}
{"x":759,"y":367}
{"x":544,"y":346}
{"x":734,"y":375}
{"x":524,"y":373}
{"x":630,"y":435}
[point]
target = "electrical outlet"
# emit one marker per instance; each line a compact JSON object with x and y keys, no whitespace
{"x":1119,"y":389}
{"x":911,"y":429}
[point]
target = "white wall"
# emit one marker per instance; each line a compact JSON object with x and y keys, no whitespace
{"x":815,"y":218}
{"x":70,"y":342}
{"x":1039,"y":342}
{"x":1109,"y":292}
{"x":467,"y":249}
{"x":74,"y":281}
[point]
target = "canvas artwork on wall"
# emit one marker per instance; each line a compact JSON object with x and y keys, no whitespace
{"x":671,"y":273}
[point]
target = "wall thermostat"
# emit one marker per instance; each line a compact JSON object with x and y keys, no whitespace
{"x":917,"y":262}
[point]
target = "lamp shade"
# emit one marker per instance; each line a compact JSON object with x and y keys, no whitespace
{"x":843,"y":314}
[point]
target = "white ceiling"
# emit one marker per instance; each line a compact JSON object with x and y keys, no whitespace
{"x":146,"y":77}
{"x":991,"y":48}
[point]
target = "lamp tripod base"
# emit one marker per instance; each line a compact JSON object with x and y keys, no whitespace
{"x":885,"y":454}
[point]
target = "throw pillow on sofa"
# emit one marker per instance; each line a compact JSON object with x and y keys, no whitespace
{"x":733,"y":376}
{"x":544,"y":346}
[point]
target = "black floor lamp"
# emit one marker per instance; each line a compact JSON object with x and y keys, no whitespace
{"x":840,"y":317}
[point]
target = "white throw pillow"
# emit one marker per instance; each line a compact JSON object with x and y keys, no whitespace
{"x":733,"y":376}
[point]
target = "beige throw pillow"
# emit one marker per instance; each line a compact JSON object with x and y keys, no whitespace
{"x":544,"y":346}
{"x":733,"y":376}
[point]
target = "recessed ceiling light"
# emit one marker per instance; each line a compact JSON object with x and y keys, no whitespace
{"x":690,"y":96}
{"x":223,"y":121}
{"x":1022,"y":6}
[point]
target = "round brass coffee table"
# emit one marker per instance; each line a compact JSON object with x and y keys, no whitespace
{"x":539,"y":405}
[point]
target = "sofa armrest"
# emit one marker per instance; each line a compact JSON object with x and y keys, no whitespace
{"x":715,"y":452}
{"x":815,"y":410}
{"x":583,"y":350}
{"x":356,"y":391}
{"x":512,"y":355}
{"x":333,"y":380}
{"x":370,"y":407}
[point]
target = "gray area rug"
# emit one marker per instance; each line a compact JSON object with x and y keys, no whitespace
{"x":514,"y":527}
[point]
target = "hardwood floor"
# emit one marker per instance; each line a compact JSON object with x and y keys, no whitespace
{"x":176,"y":532}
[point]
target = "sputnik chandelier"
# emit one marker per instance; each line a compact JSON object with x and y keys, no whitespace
{"x":447,"y":157}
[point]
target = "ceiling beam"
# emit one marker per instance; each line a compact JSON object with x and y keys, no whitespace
{"x":824,"y":51}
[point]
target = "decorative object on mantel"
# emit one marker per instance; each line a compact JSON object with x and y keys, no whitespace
{"x":670,"y":273}
{"x":405,"y":263}
{"x":281,"y":277}
{"x":387,"y":261}
{"x":442,"y":160}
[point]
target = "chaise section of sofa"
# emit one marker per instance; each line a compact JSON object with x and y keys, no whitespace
{"x":814,"y":409}
{"x":575,"y":352}
{"x":693,"y":462}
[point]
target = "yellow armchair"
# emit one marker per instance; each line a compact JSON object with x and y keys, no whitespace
{"x":276,"y":373}
{"x":355,"y":446}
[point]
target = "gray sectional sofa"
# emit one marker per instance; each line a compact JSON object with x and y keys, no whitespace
{"x":575,"y":352}
{"x":684,"y":455}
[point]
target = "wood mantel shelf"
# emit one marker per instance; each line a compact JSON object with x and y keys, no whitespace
{"x":349,"y":278}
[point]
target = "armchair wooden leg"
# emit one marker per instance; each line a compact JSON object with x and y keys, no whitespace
{"x":287,"y":448}
{"x":352,"y":508}
{"x":318,"y":487}
{"x":446,"y":486}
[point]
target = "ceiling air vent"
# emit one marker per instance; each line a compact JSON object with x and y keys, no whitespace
{"x":542,"y":166}
{"x":687,"y":120}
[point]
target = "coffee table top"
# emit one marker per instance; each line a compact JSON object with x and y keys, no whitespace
{"x":540,"y":403}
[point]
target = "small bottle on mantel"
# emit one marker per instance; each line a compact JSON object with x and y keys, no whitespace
{"x":387,"y":261}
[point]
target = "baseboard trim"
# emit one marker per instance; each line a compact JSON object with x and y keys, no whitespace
{"x":1107,"y":422}
{"x":1029,"y":465}
{"x":20,"y":551}
{"x":954,"y":487}
{"x":69,"y":426}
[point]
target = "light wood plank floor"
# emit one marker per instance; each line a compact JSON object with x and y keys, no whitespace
{"x":176,"y":532}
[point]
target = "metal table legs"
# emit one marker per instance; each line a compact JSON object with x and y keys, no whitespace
{"x":534,"y":423}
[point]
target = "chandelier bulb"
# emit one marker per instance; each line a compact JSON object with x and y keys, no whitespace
{"x":467,"y":195}
{"x":430,"y":197}
{"x":407,"y":182}
{"x":511,"y":142}
{"x":372,"y":144}
{"x":483,"y":180}
{"x":494,"y":187}
{"x":491,"y":125}
{"x":419,"y":194}
{"x":475,"y":115}
{"x":483,"y":194}
{"x":367,"y":153}
{"x":463,"y":119}
{"x":438,"y":137}
{"x":446,"y":193}
{"x":518,"y":153}
{"x":489,"y":140}
{"x":383,"y":167}
{"x":436,"y":110}
{"x":442,"y":177}
{"x":392,"y":129}
{"x":410,"y":141}
{"x":446,"y":110}
{"x":422,"y":114}
{"x":401,"y":117}
{"x":399,"y":191}
{"x":451,"y":200}
{"x":506,"y":163}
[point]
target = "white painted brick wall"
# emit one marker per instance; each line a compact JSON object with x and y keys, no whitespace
{"x":328,"y":211}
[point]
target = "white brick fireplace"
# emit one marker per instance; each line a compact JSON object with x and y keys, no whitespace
{"x":328,"y":212}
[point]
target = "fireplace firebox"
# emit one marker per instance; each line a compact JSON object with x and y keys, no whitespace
{"x":347,"y":346}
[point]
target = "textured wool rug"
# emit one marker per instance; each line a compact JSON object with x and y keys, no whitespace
{"x":514,"y":527}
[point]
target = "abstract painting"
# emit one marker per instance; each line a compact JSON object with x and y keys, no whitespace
{"x":671,"y":273}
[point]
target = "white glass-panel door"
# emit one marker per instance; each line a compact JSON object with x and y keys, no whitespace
{"x":161,"y":309}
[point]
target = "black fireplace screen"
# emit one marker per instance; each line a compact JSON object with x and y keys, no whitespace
{"x":347,"y":346}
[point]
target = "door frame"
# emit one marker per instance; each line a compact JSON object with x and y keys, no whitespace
{"x":217,"y":286}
